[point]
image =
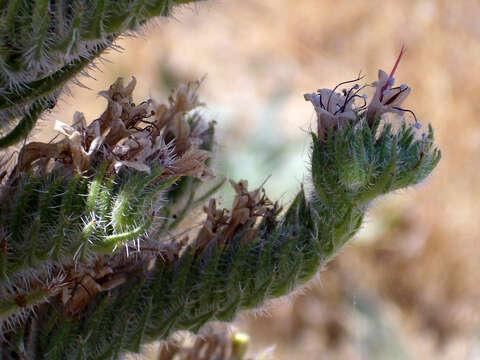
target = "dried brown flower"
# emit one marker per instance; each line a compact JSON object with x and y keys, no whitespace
{"x":129,"y":135}
{"x":247,"y":207}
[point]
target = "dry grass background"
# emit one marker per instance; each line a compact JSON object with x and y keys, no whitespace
{"x":408,"y":286}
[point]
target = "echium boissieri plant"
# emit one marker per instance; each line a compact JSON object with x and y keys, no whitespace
{"x":94,"y":257}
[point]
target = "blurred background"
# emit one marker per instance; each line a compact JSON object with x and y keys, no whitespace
{"x":408,"y":286}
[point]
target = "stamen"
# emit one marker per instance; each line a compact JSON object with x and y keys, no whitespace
{"x":320,"y":99}
{"x":364,"y":98}
{"x":347,"y":99}
{"x":360,"y":89}
{"x":410,"y":112}
{"x":359,"y":77}
{"x":394,"y":97}
{"x":349,"y":96}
